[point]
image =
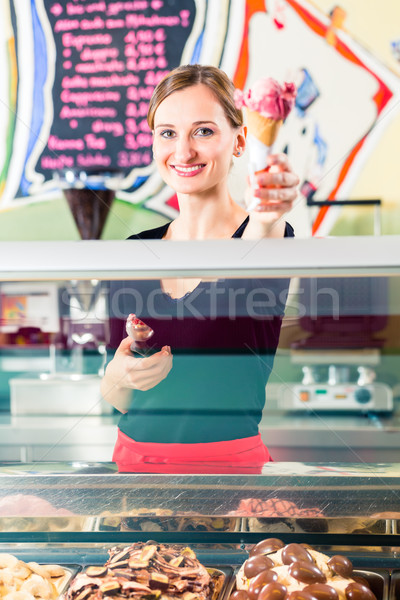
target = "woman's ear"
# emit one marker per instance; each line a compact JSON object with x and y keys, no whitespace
{"x":240,"y":143}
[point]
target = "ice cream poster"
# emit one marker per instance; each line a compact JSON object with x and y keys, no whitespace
{"x":346,"y":97}
{"x":29,"y":305}
{"x":13,"y":308}
{"x":77,"y":76}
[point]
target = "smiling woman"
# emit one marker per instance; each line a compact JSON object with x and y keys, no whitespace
{"x":192,"y":155}
{"x":202,"y":413}
{"x":197,"y":129}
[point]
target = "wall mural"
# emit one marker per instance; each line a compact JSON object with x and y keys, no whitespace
{"x":77,"y":75}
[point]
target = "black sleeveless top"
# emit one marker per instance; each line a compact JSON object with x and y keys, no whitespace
{"x":223,"y":336}
{"x":158,"y":232}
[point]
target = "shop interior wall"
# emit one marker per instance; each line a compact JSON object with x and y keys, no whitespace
{"x":345,"y":143}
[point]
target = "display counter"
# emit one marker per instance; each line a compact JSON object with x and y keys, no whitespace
{"x":332,"y":395}
{"x":72,"y":514}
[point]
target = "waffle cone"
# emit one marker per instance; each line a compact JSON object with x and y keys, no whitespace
{"x":264,"y":129}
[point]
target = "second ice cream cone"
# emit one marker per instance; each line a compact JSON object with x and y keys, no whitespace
{"x":263,"y":128}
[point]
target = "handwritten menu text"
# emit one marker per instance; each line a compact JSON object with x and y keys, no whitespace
{"x":109,"y":58}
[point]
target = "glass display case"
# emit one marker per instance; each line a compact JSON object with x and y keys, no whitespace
{"x":73,"y":514}
{"x":333,"y":386}
{"x":331,"y":415}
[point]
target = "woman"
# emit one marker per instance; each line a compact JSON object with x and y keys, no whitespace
{"x":202,"y":413}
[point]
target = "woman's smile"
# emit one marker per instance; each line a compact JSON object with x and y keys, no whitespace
{"x":188,"y":170}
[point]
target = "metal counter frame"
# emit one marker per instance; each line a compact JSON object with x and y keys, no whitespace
{"x":31,"y":261}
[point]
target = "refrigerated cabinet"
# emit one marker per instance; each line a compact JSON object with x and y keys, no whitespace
{"x":71,"y":514}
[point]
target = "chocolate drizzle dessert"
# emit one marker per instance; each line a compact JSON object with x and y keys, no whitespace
{"x":145,"y":570}
{"x":275,"y":571}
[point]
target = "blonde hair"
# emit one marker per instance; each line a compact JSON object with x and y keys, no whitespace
{"x":189,"y":75}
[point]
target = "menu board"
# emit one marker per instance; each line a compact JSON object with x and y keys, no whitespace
{"x":109,"y":57}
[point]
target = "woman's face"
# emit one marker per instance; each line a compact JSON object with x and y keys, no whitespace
{"x":194,"y":141}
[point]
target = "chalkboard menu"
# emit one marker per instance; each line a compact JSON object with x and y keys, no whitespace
{"x":109,"y":57}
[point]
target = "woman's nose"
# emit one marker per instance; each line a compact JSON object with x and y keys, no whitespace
{"x":184,"y":149}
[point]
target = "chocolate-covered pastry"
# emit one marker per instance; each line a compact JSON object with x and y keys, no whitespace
{"x":146,"y":571}
{"x":297,"y":572}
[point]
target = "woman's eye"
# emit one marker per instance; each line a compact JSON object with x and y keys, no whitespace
{"x":167,"y":133}
{"x":204,"y":131}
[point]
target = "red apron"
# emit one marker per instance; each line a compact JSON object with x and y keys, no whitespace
{"x":246,"y":455}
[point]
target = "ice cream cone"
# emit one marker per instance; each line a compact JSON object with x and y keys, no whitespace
{"x":267,"y":105}
{"x":263,"y":128}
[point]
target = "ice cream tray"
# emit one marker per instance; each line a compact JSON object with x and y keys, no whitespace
{"x":153,"y":522}
{"x":59,"y":583}
{"x":70,"y":523}
{"x":385,"y":585}
{"x":394,"y":585}
{"x":221,"y":576}
{"x":72,"y":570}
{"x":382,"y":583}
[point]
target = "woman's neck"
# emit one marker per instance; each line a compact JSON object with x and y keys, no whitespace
{"x":211,"y":217}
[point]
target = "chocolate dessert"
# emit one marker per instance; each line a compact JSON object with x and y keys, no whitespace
{"x":145,"y":570}
{"x":275,"y":571}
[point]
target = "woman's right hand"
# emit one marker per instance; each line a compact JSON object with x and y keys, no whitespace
{"x":134,"y":373}
{"x":126,"y":372}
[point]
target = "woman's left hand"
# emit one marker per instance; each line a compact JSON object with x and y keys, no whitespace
{"x":277,"y":190}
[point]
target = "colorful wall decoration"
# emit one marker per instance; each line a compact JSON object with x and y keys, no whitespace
{"x":77,"y":75}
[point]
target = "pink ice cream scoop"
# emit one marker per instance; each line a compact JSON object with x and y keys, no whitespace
{"x":28,"y":505}
{"x":140,"y":333}
{"x":268,"y":98}
{"x":137,"y":330}
{"x":267,"y":105}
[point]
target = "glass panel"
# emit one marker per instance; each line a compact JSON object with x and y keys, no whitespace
{"x":287,"y":498}
{"x":333,"y":394}
{"x":328,"y":391}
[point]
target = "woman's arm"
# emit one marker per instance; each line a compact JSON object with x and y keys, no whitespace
{"x":277,"y":192}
